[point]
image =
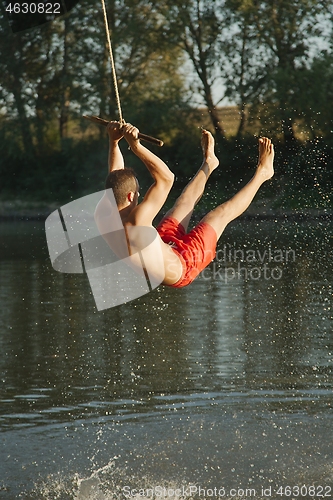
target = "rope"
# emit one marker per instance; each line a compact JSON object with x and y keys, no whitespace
{"x":113,"y":67}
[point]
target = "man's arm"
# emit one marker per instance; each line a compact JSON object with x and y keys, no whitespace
{"x":157,"y":194}
{"x":116,"y":160}
{"x":103,"y":210}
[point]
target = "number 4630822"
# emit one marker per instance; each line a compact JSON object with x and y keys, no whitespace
{"x":34,"y":8}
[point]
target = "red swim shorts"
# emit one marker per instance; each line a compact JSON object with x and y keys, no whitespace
{"x":195,"y":249}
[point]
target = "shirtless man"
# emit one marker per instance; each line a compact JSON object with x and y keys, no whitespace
{"x":176,"y":257}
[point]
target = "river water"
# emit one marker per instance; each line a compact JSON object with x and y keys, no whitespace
{"x":222,"y":389}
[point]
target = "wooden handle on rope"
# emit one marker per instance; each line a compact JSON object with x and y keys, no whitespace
{"x":144,"y":137}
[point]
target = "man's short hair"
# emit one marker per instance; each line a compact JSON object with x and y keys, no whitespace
{"x":122,"y":182}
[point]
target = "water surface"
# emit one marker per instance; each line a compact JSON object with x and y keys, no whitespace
{"x":226,"y":383}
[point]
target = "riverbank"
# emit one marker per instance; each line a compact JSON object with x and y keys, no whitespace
{"x":25,"y":210}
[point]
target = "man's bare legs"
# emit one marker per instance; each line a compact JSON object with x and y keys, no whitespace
{"x":183,"y":208}
{"x":220,"y":217}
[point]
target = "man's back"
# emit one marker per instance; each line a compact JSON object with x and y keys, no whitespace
{"x":140,"y":246}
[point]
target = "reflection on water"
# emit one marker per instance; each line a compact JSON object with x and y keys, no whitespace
{"x":227,"y":381}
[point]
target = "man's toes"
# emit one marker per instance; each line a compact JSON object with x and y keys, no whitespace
{"x":267,"y":142}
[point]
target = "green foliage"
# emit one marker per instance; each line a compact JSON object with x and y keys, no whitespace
{"x":315,"y":96}
{"x":274,"y":60}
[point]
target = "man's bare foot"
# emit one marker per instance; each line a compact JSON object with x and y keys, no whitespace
{"x":266,"y":157}
{"x":208,"y":144}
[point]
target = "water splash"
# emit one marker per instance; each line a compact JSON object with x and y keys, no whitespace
{"x":107,"y":483}
{"x":97,"y":486}
{"x":94,"y":487}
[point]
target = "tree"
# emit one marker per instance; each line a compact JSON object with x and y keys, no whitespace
{"x":53,"y":74}
{"x":14,"y":66}
{"x":286,"y":30}
{"x":197,"y":27}
{"x":246,"y":63}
